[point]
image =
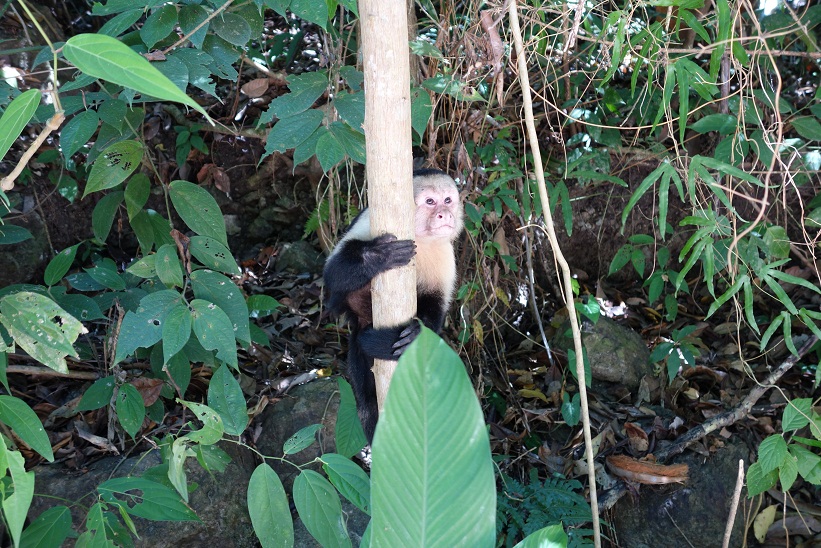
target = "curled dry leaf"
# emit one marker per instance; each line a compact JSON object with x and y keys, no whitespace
{"x":255,"y":88}
{"x":149,"y":389}
{"x":646,"y":472}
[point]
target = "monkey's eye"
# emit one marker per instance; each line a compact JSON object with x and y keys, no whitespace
{"x":430,"y":201}
{"x":447,"y":200}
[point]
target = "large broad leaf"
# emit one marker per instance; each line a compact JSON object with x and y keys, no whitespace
{"x":109,"y":59}
{"x":320,"y":510}
{"x":432,"y":476}
{"x":15,"y":506}
{"x":549,"y":537}
{"x":348,"y":434}
{"x":16,"y":413}
{"x":199,"y":210}
{"x":214,"y":331}
{"x":41,"y":327}
{"x":50,"y":528}
{"x":349,"y":479}
{"x":15,"y":118}
{"x":143,"y":328}
{"x":146,"y":499}
{"x":224,"y":293}
{"x":114,"y":166}
{"x":130,"y":408}
{"x":226,"y":398}
{"x":268,"y":507}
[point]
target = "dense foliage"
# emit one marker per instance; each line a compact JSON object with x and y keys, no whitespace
{"x":703,"y":118}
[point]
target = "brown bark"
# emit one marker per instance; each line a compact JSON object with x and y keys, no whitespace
{"x":390,"y":163}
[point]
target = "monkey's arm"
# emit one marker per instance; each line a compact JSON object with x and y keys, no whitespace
{"x":390,"y":343}
{"x":357,"y":262}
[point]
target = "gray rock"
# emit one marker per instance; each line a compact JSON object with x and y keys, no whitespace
{"x":219,"y":500}
{"x":693,"y":514}
{"x":616,"y":353}
{"x":299,"y":257}
{"x":314,"y":403}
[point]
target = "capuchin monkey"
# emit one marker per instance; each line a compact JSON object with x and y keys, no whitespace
{"x":358,"y":258}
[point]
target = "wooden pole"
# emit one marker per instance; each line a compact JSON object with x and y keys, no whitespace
{"x":389,"y":159}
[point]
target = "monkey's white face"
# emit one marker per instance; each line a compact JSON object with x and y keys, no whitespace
{"x":438,"y":213}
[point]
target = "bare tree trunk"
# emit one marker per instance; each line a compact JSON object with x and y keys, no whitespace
{"x":390,"y":162}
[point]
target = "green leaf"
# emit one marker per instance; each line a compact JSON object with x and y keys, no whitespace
{"x":329,"y":152}
{"x":15,"y":506}
{"x":807,"y":127}
{"x":59,"y":265}
{"x":351,"y":108}
{"x":352,"y":141}
{"x":114,"y":166}
{"x":105,"y":274}
{"x":432,"y":477}
{"x":311,"y":10}
{"x":349,"y":438}
{"x":212,"y":424}
{"x":109,"y":59}
{"x":421,"y":110}
{"x":777,"y":242}
{"x":226,"y":398}
{"x":571,"y":409}
{"x":214,"y":330}
{"x":168,"y":267}
{"x":12,"y":234}
{"x":136,"y":194}
{"x":190,"y":18}
{"x":290,"y":132}
{"x":103,"y":215}
{"x":130,"y":409}
{"x":212,"y":458}
{"x":303,"y":439}
{"x":16,"y":413}
{"x":41,"y":328}
{"x":548,"y":537}
{"x":176,"y":331}
{"x":97,"y":395}
{"x":796,"y":414}
{"x":146,"y":499}
{"x":305,"y":89}
{"x":349,"y":479}
{"x":809,"y":463}
{"x":77,"y":132}
{"x":232,"y":28}
{"x":320,"y":510}
{"x":199,"y":210}
{"x":759,"y":481}
{"x":143,"y":328}
{"x":50,"y":528}
{"x":724,"y":124}
{"x":144,"y":268}
{"x":158,"y":25}
{"x":268,"y":507}
{"x":224,"y":293}
{"x":771,"y":452}
{"x":788,"y":472}
{"x":260,"y":306}
{"x":212,"y":254}
{"x":17,"y":115}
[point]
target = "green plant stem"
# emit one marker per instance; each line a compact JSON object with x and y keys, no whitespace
{"x":516,"y":32}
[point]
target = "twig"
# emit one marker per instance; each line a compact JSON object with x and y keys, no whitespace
{"x":538,"y":168}
{"x":739,"y":483}
{"x":47,"y":372}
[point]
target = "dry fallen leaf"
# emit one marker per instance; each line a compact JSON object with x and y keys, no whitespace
{"x":255,"y":88}
{"x":646,"y":472}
